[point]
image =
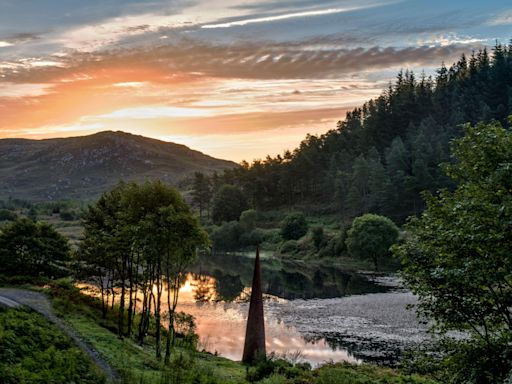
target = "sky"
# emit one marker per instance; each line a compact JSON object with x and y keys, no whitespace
{"x":236,"y":79}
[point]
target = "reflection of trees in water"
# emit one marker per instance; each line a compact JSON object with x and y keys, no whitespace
{"x":290,"y":280}
{"x":228,"y":286}
{"x":204,"y":288}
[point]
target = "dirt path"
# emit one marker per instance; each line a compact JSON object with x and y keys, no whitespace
{"x":41,"y":304}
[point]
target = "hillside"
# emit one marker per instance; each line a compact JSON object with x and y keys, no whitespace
{"x":384,"y":154}
{"x":83,"y":167}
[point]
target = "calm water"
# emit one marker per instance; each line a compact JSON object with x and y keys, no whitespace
{"x":321,"y":315}
{"x":313,"y":314}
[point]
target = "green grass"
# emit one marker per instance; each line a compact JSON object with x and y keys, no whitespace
{"x":138,"y":363}
{"x":34,"y":351}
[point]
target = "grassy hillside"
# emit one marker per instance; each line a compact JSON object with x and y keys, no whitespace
{"x":83,"y":167}
{"x":34,"y":351}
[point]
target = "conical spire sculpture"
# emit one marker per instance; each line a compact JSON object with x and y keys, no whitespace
{"x":255,"y":331}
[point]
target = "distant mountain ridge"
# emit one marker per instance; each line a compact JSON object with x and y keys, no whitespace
{"x":84,"y":167}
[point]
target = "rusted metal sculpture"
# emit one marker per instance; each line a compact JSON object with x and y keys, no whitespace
{"x":255,"y":332}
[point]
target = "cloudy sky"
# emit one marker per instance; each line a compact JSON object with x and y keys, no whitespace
{"x":237,"y":79}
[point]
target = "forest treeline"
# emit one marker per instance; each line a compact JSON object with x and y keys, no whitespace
{"x":385,"y":153}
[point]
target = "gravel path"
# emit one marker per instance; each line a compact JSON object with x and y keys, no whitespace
{"x":9,"y":297}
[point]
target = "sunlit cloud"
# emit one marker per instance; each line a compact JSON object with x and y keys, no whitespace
{"x":237,"y":79}
{"x":154,"y":112}
{"x":267,"y":19}
{"x":130,"y":84}
{"x":450,"y":40}
{"x":23,"y":90}
{"x":43,"y":131}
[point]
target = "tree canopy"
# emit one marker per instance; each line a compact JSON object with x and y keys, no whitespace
{"x":294,"y":226}
{"x":385,"y":153}
{"x":29,"y":248}
{"x":140,"y":238}
{"x":228,"y":204}
{"x":457,"y":257}
{"x":371,"y":236}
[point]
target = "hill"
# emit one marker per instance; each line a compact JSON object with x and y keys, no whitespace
{"x":84,"y":167}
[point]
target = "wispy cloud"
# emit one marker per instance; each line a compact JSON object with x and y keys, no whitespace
{"x":503,"y":19}
{"x":245,"y":60}
{"x":14,"y":90}
{"x":266,"y":19}
{"x":219,"y":73}
{"x":155,"y":112}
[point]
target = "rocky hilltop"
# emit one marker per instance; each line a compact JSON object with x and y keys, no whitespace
{"x":84,"y":167}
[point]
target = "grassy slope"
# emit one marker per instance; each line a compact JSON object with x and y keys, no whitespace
{"x":138,"y":363}
{"x":34,"y":351}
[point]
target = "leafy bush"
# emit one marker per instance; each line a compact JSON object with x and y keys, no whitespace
{"x":290,"y":246}
{"x":34,"y":351}
{"x":318,"y":236}
{"x":248,"y":220}
{"x":226,"y":237}
{"x":294,"y":226}
{"x":273,"y":366}
{"x":255,"y":237}
{"x":371,"y":236}
{"x":35,"y":249}
{"x":67,"y":216}
{"x":7,"y":215}
{"x":457,"y":256}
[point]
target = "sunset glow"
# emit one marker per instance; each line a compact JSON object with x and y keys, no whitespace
{"x":234,"y":79}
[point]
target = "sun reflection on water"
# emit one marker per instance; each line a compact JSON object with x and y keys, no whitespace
{"x":221,"y":324}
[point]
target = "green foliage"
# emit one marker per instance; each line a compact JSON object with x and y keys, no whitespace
{"x":385,"y":153}
{"x":294,"y":226}
{"x":142,"y":237}
{"x":318,"y":236}
{"x":371,"y":236}
{"x":226,"y":236}
{"x":457,"y":255}
{"x":228,"y":204}
{"x":248,"y":220}
{"x":272,"y":365}
{"x":33,"y":351}
{"x":32,"y":249}
{"x":234,"y":236}
{"x":7,"y":215}
{"x":67,"y":216}
{"x":201,"y":193}
{"x":289,"y":246}
{"x":342,"y":373}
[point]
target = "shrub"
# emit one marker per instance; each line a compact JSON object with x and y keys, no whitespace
{"x":226,"y":237}
{"x":7,"y":215}
{"x":371,"y":236}
{"x":67,"y":216}
{"x":255,"y":237}
{"x":290,"y":246}
{"x":248,"y":220}
{"x":35,"y":249}
{"x":294,"y":226}
{"x":317,"y":234}
{"x":35,"y":351}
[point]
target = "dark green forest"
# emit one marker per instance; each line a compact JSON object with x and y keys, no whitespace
{"x":385,"y":153}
